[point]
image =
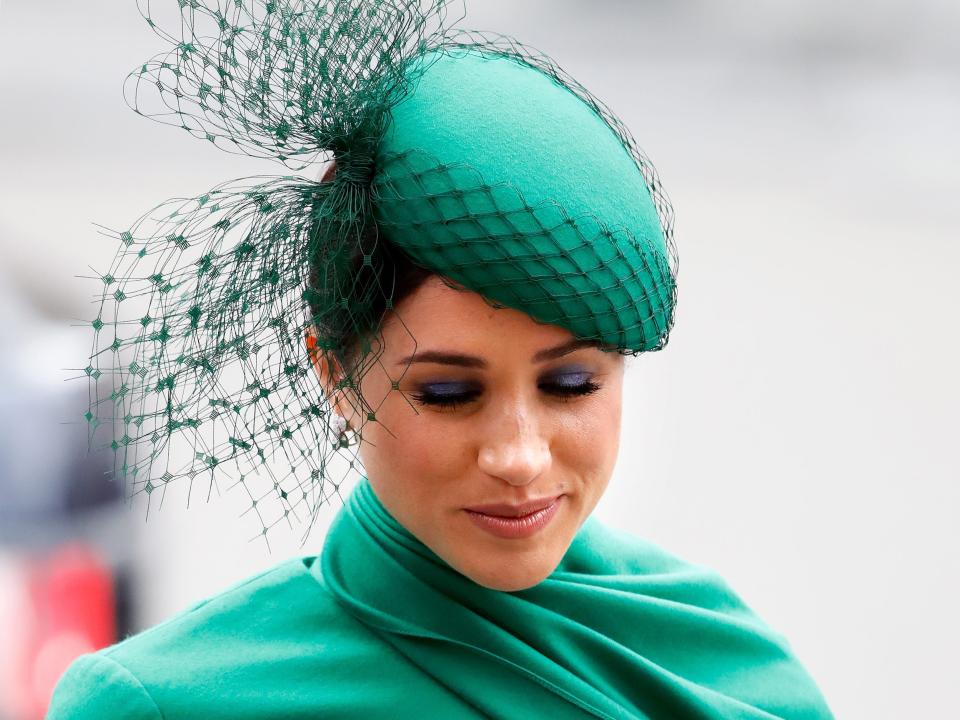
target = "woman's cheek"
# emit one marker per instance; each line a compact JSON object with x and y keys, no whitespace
{"x":591,"y":427}
{"x":589,"y":446}
{"x":431,"y":441}
{"x":421,"y":460}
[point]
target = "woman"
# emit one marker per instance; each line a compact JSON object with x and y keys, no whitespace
{"x":488,"y":247}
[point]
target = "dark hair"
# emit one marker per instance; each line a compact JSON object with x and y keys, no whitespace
{"x":372,"y":278}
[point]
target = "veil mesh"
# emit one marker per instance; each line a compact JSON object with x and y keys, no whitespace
{"x":200,"y":370}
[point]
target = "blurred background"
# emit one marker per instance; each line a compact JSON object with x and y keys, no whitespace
{"x":798,"y":434}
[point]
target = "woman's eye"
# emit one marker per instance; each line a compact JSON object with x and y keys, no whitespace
{"x":451,"y":395}
{"x":570,"y":385}
{"x":446,"y":395}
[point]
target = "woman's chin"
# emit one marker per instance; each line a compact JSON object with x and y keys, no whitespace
{"x":508,"y":574}
{"x":508,"y":564}
{"x":513,"y":583}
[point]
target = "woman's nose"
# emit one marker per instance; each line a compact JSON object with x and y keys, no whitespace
{"x":515,"y":450}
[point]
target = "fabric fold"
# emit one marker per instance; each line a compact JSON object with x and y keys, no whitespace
{"x":621,"y":629}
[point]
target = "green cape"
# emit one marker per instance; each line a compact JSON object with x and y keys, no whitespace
{"x":380,"y":627}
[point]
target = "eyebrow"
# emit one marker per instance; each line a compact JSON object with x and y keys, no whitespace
{"x":472,"y":361}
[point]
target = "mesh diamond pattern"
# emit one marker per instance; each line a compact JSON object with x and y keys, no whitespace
{"x":199,"y":371}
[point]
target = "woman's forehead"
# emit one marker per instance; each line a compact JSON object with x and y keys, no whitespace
{"x":437,"y":310}
{"x":440,"y":318}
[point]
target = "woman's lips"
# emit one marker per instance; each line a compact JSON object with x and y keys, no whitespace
{"x":513,"y":509}
{"x":521,"y":522}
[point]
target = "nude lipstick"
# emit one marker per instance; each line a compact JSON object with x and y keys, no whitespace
{"x":515,"y":521}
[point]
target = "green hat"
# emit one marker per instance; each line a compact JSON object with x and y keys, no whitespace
{"x":503,"y":178}
{"x":469,"y":154}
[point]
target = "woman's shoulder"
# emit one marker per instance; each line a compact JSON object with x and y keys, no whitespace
{"x":264,"y":605}
{"x":221,"y":646}
{"x":95,"y":686}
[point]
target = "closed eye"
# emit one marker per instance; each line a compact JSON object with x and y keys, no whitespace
{"x":570,"y":385}
{"x":446,"y":395}
{"x":452,"y":395}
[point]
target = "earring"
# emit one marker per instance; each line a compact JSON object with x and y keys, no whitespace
{"x":337,"y":431}
{"x":335,"y":428}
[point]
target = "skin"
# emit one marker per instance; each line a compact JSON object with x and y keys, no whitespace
{"x":511,"y":440}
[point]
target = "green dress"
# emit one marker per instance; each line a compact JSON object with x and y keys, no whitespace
{"x":378,"y":626}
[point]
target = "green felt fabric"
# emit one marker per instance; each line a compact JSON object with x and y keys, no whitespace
{"x":380,"y":627}
{"x":276,"y":646}
{"x":497,"y":175}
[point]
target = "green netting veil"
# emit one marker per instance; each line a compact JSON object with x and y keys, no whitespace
{"x":473,"y":156}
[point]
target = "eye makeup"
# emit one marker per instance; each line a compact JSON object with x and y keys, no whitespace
{"x":563,"y":384}
{"x":570,"y":384}
{"x":446,"y":394}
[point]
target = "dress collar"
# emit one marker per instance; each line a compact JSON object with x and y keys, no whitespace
{"x":620,"y":629}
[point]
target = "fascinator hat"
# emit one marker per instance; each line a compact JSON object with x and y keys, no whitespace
{"x":466,"y":153}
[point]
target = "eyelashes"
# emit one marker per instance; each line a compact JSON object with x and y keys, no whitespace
{"x":439,"y":395}
{"x":451,"y":395}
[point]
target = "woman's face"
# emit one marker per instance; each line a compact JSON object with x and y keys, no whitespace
{"x":493,"y":408}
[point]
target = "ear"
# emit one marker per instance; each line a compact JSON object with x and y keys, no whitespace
{"x":329,"y":372}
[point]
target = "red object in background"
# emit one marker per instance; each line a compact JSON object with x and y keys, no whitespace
{"x":70,"y":610}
